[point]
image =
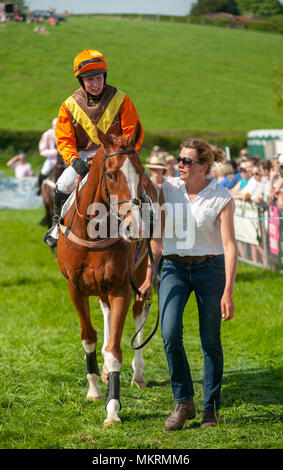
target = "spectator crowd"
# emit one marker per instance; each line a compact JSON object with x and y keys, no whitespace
{"x":250,"y":178}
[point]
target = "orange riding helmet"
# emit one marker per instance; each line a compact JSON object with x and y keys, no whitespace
{"x":89,"y":62}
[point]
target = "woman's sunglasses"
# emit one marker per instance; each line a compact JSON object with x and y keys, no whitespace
{"x":186,"y":161}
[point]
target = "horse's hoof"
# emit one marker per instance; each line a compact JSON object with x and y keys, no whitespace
{"x":109,"y":422}
{"x":94,"y":398}
{"x":140,"y":383}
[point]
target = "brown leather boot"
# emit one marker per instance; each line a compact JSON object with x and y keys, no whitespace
{"x":184,"y":410}
{"x":209,"y":418}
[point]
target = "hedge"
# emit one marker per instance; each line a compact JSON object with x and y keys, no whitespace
{"x":273,"y":25}
{"x":21,"y":140}
{"x":27,"y":140}
{"x":276,"y":27}
{"x":171,"y":142}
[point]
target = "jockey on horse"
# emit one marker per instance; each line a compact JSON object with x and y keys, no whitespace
{"x":95,"y":102}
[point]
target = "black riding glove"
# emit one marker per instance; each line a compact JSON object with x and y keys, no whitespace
{"x":81,"y":167}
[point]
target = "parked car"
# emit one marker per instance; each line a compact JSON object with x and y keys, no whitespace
{"x":45,"y":14}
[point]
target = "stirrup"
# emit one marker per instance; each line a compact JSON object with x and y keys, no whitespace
{"x":51,"y":237}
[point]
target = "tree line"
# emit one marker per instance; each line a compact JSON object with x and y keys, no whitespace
{"x":254,"y":8}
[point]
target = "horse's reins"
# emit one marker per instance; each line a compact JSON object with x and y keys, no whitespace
{"x":136,"y":202}
{"x":148,"y":301}
{"x":82,"y":216}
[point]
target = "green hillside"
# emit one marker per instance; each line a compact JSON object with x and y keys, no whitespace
{"x":181,"y":77}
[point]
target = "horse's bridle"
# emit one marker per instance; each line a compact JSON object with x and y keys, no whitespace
{"x":135,"y":200}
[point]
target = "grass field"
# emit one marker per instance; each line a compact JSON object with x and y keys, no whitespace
{"x":43,"y":384}
{"x":181,"y":77}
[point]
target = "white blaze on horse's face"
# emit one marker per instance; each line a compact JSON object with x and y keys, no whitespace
{"x":131,"y":175}
{"x":131,"y":230}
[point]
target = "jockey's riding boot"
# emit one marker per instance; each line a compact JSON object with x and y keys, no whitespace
{"x":41,"y":178}
{"x":52,"y":235}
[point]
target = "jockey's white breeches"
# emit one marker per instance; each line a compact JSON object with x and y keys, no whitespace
{"x":48,"y":165}
{"x":67,"y":181}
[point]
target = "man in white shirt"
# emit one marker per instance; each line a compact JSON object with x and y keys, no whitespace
{"x":48,"y":150}
{"x":22,"y":168}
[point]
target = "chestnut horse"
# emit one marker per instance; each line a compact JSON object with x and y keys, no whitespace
{"x":102,"y":266}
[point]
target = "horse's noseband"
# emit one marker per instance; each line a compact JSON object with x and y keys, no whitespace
{"x":119,"y":152}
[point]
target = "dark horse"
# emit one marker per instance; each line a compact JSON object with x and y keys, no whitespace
{"x":47,"y":190}
{"x":102,"y":266}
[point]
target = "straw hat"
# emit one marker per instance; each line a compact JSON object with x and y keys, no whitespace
{"x":157,"y":163}
{"x":170,"y":158}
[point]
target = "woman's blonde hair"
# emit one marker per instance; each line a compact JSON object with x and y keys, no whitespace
{"x":206,"y":153}
{"x":225,"y":169}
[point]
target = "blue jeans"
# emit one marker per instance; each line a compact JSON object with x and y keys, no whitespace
{"x":207,"y":280}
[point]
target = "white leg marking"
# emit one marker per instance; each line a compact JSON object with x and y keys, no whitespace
{"x":138,"y":362}
{"x":93,"y":391}
{"x":106,"y":315}
{"x":112,"y":409}
{"x":112,"y":364}
{"x":88,"y":347}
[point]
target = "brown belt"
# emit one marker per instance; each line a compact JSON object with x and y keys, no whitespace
{"x":188,"y":259}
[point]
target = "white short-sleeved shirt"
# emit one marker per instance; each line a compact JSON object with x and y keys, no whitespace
{"x":22,"y":171}
{"x":192,"y":228}
{"x":252,"y":187}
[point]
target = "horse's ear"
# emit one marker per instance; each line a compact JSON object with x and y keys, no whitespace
{"x":135,"y":136}
{"x":103,"y":138}
{"x":106,"y":139}
{"x":116,"y":130}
